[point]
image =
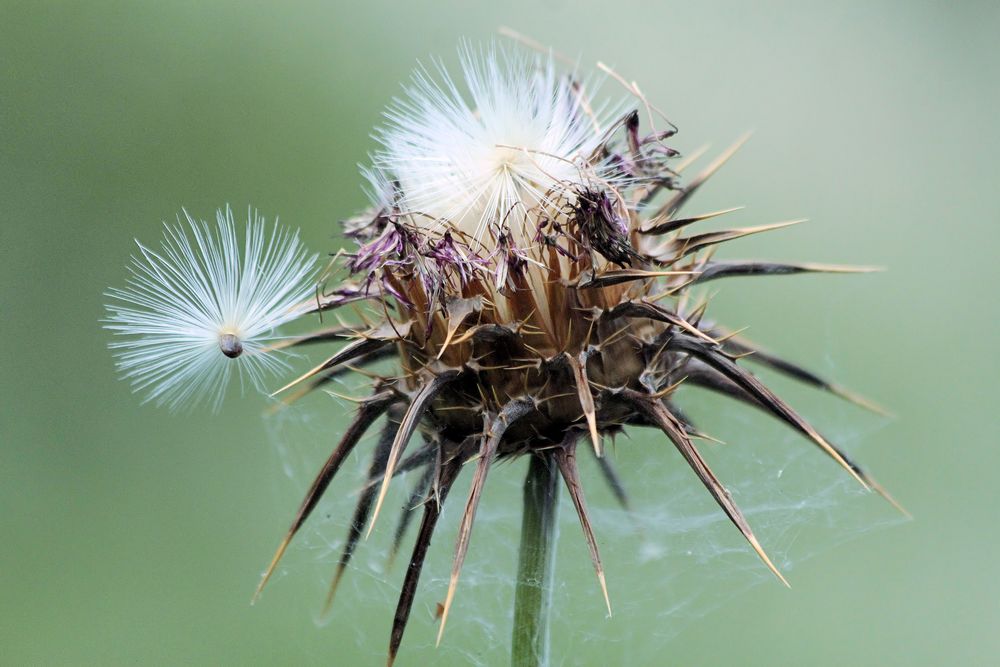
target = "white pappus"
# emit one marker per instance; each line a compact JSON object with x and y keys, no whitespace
{"x":206,"y":306}
{"x":515,"y":146}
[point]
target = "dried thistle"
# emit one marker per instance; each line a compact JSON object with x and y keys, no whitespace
{"x":527,"y":268}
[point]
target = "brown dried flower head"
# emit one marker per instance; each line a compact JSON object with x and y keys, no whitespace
{"x":528,"y":268}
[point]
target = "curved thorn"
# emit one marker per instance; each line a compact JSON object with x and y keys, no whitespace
{"x":330,"y":333}
{"x":691,"y":244}
{"x":657,"y":413}
{"x":756,"y":354}
{"x":364,"y":504}
{"x":687,"y":423}
{"x":458,"y":311}
{"x":354,"y":350}
{"x":367,"y":413}
{"x":579,"y":367}
{"x":414,"y":413}
{"x":590,"y":280}
{"x":494,"y":433}
{"x":317,"y":382}
{"x":417,"y":494}
{"x":874,"y":485}
{"x":636,"y":309}
{"x":716,"y":270}
{"x":705,"y":376}
{"x":411,"y":462}
{"x":677,"y":223}
{"x":565,"y":457}
{"x":715,"y":358}
{"x":432,"y":510}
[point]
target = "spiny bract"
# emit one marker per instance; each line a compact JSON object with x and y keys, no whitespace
{"x":528,"y":268}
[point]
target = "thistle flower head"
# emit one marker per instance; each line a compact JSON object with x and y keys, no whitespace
{"x":534,"y":280}
{"x":529,"y":272}
{"x":205,"y":306}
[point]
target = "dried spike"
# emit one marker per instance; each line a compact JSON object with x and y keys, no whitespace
{"x":658,"y":413}
{"x":699,"y":435}
{"x":668,"y":226}
{"x":689,"y":159}
{"x":411,"y":462}
{"x":486,"y":332}
{"x":458,"y":311}
{"x":652,"y":311}
{"x":365,"y":416}
{"x":685,"y":421}
{"x":353,"y":350}
{"x":417,"y":494}
{"x":330,"y":333}
{"x":678,"y":200}
{"x":669,"y":389}
{"x":725,"y":337}
{"x":716,"y":270}
{"x":566,"y":460}
{"x":418,"y":458}
{"x":697,"y":313}
{"x":881,"y":490}
{"x":432,"y":510}
{"x":873,"y":484}
{"x":758,"y":355}
{"x":579,"y":367}
{"x":324,"y":378}
{"x":347,"y":293}
{"x":589,"y":280}
{"x":715,"y":358}
{"x":371,"y":342}
{"x":494,"y":432}
{"x":705,"y":376}
{"x":430,"y":388}
{"x":681,"y":417}
{"x":364,"y":504}
{"x":692,"y":244}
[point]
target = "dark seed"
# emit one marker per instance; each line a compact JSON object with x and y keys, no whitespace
{"x":231,"y":346}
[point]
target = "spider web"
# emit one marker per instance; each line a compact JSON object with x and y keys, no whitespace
{"x":670,"y":560}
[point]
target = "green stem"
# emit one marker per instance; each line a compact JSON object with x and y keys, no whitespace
{"x":536,"y":564}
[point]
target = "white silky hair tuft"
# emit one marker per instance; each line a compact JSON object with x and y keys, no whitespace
{"x":204,"y":292}
{"x":518,"y":144}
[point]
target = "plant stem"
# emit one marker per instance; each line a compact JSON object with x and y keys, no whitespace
{"x":536,"y":564}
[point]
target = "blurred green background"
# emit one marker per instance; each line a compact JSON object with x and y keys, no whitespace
{"x":134,"y":536}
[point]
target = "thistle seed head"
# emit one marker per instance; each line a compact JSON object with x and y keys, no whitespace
{"x":533,"y":274}
{"x":203,"y":292}
{"x":527,"y":267}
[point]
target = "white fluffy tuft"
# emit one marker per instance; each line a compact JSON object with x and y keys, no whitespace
{"x":203,"y":285}
{"x":494,"y":159}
